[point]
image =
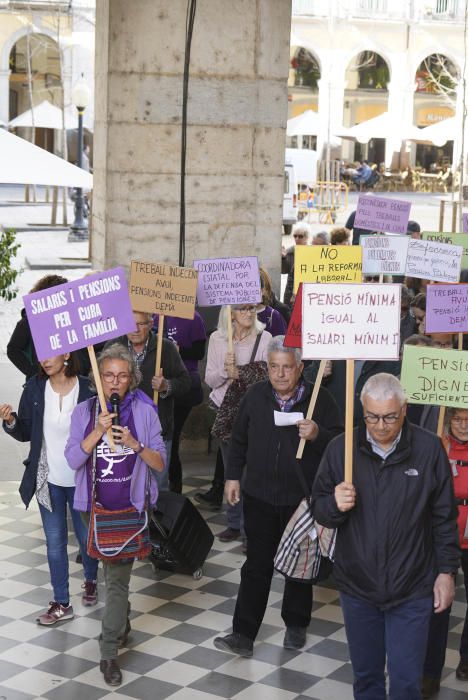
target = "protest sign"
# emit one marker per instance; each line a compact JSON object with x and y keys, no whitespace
{"x":327,"y":263}
{"x":447,"y":308}
{"x":435,"y":377}
{"x":452,"y":239}
{"x":433,"y":261}
{"x":351,"y":321}
{"x":223,"y":281}
{"x":78,"y":314}
{"x":293,"y":337}
{"x":159,"y":288}
{"x":382,"y":214}
{"x":384,"y":254}
{"x":465,"y":223}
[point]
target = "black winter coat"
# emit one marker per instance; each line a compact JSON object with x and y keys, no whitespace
{"x":29,"y":428}
{"x":403,"y":530}
{"x":269,"y":451}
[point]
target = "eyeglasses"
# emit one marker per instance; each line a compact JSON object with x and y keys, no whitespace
{"x":142,"y":324}
{"x":110,"y":377}
{"x":458,"y":420}
{"x":246,"y":310}
{"x":388,"y":419}
{"x":298,"y":235}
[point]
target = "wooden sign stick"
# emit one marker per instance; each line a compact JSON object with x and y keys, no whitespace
{"x":349,"y":416}
{"x":229,"y":325}
{"x":157,"y":370}
{"x":460,"y":341}
{"x":440,"y":422}
{"x":381,"y":278}
{"x":313,"y":401}
{"x":100,"y":391}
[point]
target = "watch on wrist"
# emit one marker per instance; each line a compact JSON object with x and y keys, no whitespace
{"x":139,"y":449}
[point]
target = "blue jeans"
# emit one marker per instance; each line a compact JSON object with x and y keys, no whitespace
{"x":56,"y":532}
{"x":398,"y":633}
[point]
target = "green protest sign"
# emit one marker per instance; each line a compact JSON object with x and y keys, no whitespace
{"x":436,"y":377}
{"x":452,"y":239}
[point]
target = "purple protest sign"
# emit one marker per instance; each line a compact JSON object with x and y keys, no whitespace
{"x":228,"y":281}
{"x":71,"y":316}
{"x":382,"y":214}
{"x":465,"y":223}
{"x":447,"y":308}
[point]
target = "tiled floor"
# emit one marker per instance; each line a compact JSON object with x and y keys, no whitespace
{"x":174,"y":620}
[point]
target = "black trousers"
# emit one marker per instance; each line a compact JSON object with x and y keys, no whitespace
{"x":264,"y":525}
{"x":181,"y":413}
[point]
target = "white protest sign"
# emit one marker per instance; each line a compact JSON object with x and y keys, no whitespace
{"x":430,"y":260}
{"x":384,"y":254}
{"x":351,"y":321}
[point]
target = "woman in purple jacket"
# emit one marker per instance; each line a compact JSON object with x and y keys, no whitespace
{"x":122,"y":477}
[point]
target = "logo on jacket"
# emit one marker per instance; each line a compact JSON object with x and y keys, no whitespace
{"x":412,"y":472}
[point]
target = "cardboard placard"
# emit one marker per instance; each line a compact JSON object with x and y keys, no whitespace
{"x":384,"y":254}
{"x":224,"y":281}
{"x":452,"y":239}
{"x":382,"y":214}
{"x":327,"y":264}
{"x":446,"y":308}
{"x":436,"y":377}
{"x":293,"y":337}
{"x":351,"y":321}
{"x":160,"y":288}
{"x":435,"y":261}
{"x":78,"y":314}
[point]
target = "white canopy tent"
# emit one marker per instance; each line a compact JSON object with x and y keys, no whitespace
{"x":440,"y":133}
{"x":307,"y":123}
{"x":23,"y":163}
{"x":46,"y":116}
{"x":381,"y":127}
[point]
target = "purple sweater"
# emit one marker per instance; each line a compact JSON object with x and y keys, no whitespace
{"x":148,"y":432}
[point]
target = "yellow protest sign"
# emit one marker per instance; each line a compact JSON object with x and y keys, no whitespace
{"x":327,"y":263}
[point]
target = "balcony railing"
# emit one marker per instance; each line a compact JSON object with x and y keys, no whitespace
{"x":441,"y":10}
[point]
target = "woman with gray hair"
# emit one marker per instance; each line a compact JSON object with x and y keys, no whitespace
{"x":116,"y":480}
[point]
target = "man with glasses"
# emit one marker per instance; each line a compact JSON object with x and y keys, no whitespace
{"x":396,"y":550}
{"x":174,"y":380}
{"x":262,"y":454}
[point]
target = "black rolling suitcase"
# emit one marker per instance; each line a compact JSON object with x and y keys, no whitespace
{"x":180,"y":537}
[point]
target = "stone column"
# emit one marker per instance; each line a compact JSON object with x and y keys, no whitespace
{"x":237,"y":115}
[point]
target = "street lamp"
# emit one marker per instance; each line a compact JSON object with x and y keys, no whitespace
{"x":80,"y":98}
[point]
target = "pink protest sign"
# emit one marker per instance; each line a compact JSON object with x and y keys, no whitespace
{"x":228,"y":281}
{"x":447,"y":308}
{"x":71,"y":316}
{"x":382,"y":214}
{"x":465,"y":223}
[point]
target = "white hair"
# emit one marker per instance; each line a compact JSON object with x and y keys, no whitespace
{"x":323,"y":236}
{"x":383,"y":387}
{"x":223,"y":320}
{"x":276,"y":344}
{"x":301,"y":228}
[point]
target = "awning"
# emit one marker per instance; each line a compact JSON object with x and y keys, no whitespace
{"x":381,"y":127}
{"x":440,"y":133}
{"x":305,"y":124}
{"x":46,"y":116}
{"x":23,"y":163}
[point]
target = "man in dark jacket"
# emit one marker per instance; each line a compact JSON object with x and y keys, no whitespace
{"x":397,"y":547}
{"x":173,"y":382}
{"x":272,"y":488}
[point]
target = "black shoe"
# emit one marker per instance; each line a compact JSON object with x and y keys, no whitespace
{"x":111,"y":671}
{"x":462,"y":670}
{"x":235,"y":643}
{"x":429,"y":687}
{"x":212,"y":499}
{"x":295,"y":637}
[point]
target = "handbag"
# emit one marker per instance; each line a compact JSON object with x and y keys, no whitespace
{"x":249,"y":374}
{"x":114,"y":535}
{"x":305,"y":551}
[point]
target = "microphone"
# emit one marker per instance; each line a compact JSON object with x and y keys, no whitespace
{"x":115,"y":403}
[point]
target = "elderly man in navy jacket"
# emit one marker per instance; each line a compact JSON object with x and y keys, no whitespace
{"x":397,"y":548}
{"x":272,"y":489}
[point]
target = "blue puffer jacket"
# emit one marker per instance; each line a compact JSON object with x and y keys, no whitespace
{"x":29,"y":428}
